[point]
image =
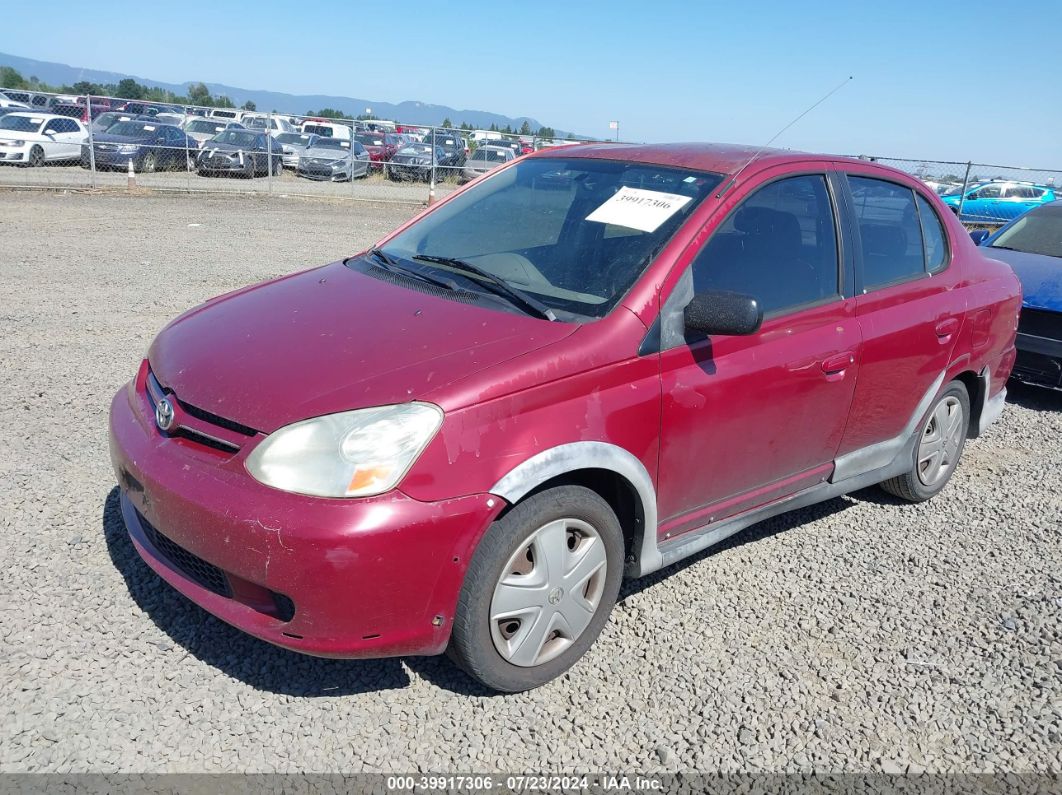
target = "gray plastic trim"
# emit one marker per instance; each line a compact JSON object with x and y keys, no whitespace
{"x":878,"y":455}
{"x":570,"y":457}
{"x":991,"y":407}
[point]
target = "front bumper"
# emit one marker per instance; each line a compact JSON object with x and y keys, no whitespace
{"x":323,"y":171}
{"x":337,"y":578}
{"x":111,"y":158}
{"x":222,"y":164}
{"x":14,"y":154}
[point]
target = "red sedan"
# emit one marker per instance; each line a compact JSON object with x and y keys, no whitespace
{"x":585,"y":366}
{"x":380,"y":146}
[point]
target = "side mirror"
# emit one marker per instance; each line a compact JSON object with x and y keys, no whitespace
{"x":721,"y":312}
{"x":979,"y":236}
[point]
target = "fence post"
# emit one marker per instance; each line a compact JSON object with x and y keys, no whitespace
{"x":269,"y":152}
{"x":187,"y":157}
{"x":92,"y":148}
{"x":965,"y":185}
{"x":431,"y":184}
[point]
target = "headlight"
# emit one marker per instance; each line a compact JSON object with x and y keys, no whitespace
{"x":351,"y":454}
{"x":128,"y":149}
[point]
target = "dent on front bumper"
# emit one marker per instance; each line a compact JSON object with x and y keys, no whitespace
{"x":365,"y":578}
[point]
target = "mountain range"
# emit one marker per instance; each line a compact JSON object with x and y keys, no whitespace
{"x":409,"y":111}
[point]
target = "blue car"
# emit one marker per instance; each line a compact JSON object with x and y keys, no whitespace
{"x":1032,"y":246}
{"x":149,"y":145}
{"x":998,"y":202}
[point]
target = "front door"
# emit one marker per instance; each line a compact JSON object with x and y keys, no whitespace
{"x":746,"y":420}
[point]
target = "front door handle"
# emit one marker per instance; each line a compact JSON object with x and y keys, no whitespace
{"x":837,"y":364}
{"x":945,"y":328}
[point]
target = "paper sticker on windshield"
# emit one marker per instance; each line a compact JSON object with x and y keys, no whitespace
{"x":635,"y":208}
{"x":148,"y":129}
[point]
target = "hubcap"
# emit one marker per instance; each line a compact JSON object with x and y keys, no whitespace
{"x":941,"y":439}
{"x":548,"y":592}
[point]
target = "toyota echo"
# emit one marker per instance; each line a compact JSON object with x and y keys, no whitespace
{"x":584,"y":366}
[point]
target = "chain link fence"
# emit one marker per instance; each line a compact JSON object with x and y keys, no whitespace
{"x":96,"y":142}
{"x":983,"y":195}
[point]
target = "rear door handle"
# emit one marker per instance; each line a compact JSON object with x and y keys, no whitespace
{"x":946,"y":328}
{"x":837,"y":364}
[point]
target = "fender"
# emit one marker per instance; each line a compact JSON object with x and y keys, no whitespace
{"x":574,"y":456}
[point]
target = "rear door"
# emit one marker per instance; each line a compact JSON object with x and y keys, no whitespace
{"x":909,"y":308}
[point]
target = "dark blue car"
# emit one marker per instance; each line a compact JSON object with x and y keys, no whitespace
{"x":1032,"y":245}
{"x":149,"y":145}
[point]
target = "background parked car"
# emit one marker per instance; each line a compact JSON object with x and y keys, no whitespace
{"x":149,"y":145}
{"x":380,"y":146}
{"x":333,"y":159}
{"x":32,"y":139}
{"x":201,"y":130}
{"x":1032,"y":245}
{"x":484,"y":159}
{"x":999,"y":201}
{"x":293,"y":145}
{"x":241,"y":152}
{"x":507,"y":143}
{"x":31,"y":99}
{"x":327,"y":129}
{"x":270,"y":124}
{"x":8,"y":102}
{"x":414,"y":161}
{"x":453,"y":147}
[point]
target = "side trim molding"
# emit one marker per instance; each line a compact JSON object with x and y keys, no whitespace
{"x":991,"y":407}
{"x":881,"y":454}
{"x":566,"y":458}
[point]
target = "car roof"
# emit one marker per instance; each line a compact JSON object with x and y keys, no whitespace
{"x":46,"y":116}
{"x":724,"y":159}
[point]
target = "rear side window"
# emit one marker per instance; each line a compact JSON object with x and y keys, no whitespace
{"x":779,"y":246}
{"x":933,"y":235}
{"x":889,"y":232}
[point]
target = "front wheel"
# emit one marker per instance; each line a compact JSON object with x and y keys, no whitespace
{"x":36,"y":157}
{"x":539,"y":589}
{"x":940,"y":443}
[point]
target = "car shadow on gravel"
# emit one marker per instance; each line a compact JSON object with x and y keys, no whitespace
{"x":210,"y":640}
{"x":757,"y":532}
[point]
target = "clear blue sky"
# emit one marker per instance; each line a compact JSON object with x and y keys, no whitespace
{"x":939,"y":79}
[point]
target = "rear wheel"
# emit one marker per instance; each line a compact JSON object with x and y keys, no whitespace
{"x":939,"y":446}
{"x":539,"y":589}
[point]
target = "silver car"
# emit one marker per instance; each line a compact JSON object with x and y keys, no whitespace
{"x":200,"y":129}
{"x":294,"y":145}
{"x":333,"y":159}
{"x":484,"y":159}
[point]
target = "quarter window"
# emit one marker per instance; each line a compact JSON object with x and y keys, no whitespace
{"x":779,"y":246}
{"x":933,"y":236}
{"x":889,"y":232}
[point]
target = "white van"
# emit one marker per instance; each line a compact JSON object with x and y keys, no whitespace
{"x":327,"y":129}
{"x":230,"y":114}
{"x":479,"y":136}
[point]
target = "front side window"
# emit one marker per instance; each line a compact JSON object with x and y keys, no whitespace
{"x":889,"y":232}
{"x":540,"y":226}
{"x":779,"y":246}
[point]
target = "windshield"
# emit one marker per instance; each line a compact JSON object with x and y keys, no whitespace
{"x":317,"y":129}
{"x":204,"y":126}
{"x":370,"y":139}
{"x":236,"y":138}
{"x":132,"y":128}
{"x":415,"y":149}
{"x":332,"y":143}
{"x":1039,"y":231}
{"x":294,"y":139}
{"x":21,"y":123}
{"x":574,"y":233}
{"x":489,"y":155}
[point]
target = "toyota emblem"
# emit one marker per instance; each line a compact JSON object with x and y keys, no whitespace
{"x":164,"y":414}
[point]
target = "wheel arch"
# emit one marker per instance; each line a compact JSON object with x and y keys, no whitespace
{"x":613,"y":473}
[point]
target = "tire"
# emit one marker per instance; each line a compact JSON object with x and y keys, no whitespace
{"x":36,"y":157}
{"x":190,"y":162}
{"x":497,"y":652}
{"x":941,"y":440}
{"x":149,"y":164}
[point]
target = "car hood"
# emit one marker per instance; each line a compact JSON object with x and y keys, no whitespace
{"x":119,"y":139}
{"x":327,"y":154}
{"x":210,"y":145}
{"x":332,"y":339}
{"x":1040,"y":276}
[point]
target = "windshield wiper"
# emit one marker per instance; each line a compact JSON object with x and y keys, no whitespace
{"x":495,"y":284}
{"x":388,"y":263}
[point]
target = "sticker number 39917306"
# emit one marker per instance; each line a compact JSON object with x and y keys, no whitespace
{"x":635,"y":208}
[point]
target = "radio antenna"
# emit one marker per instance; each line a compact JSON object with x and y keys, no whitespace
{"x":774,"y":138}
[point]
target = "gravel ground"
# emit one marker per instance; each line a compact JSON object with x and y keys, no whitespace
{"x":372,"y":188}
{"x":857,"y":635}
